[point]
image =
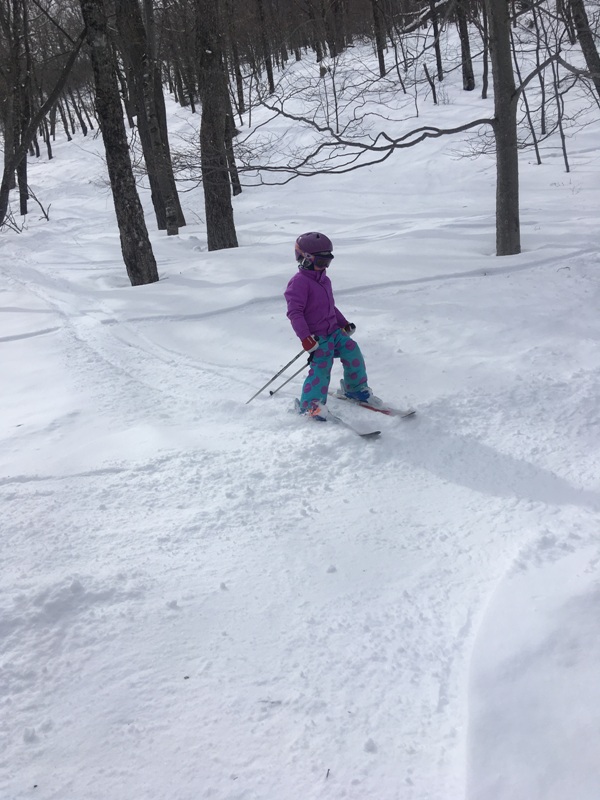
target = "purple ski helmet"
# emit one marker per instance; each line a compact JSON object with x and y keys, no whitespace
{"x":313,"y":250}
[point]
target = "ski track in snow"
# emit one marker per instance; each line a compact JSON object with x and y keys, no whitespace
{"x":208,"y":599}
{"x":411,"y":618}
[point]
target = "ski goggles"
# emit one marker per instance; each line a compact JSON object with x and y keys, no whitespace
{"x":321,"y":260}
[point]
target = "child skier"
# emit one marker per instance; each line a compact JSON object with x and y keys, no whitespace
{"x":323,"y":329}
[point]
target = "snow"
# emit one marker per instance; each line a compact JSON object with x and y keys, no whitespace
{"x":206,"y":599}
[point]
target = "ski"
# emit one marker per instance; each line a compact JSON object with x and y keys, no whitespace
{"x":389,"y":411}
{"x":363,"y":435}
{"x":339,"y":421}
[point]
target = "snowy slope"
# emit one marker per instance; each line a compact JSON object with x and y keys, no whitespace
{"x":203,"y":598}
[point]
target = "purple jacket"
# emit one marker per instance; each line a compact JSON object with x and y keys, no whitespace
{"x":311,"y":308}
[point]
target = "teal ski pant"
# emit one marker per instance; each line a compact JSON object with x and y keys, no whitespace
{"x":316,"y":385}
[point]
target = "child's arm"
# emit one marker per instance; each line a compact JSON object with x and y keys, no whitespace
{"x":341,"y":319}
{"x":296,"y":296}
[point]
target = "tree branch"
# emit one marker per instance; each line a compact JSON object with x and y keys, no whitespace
{"x":519,"y":90}
{"x":579,"y":73}
{"x":384,"y":151}
{"x":53,"y":21}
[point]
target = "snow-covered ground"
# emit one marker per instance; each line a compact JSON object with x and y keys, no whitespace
{"x":206,"y":599}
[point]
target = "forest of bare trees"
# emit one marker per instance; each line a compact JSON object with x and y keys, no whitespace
{"x":89,"y":66}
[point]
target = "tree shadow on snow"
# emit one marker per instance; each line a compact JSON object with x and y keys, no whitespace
{"x":465,"y":461}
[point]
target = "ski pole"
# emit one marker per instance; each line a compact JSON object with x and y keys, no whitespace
{"x":302,"y":368}
{"x":283,"y":369}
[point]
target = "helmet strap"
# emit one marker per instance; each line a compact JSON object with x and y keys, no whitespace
{"x":306,"y":263}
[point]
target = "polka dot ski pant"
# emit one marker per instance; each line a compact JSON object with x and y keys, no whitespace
{"x":316,"y":385}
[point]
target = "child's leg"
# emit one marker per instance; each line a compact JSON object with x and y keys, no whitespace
{"x":355,"y":373}
{"x":314,"y":391}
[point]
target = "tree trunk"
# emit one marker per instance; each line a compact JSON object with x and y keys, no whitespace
{"x":485,"y":54}
{"x":230,"y":133}
{"x":47,"y":139}
{"x":212,"y":83}
{"x":69,"y":115}
{"x":465,"y":48}
{"x":53,"y":111}
{"x":436,"y":40}
{"x":125,"y":94}
{"x":379,"y":30}
{"x":563,"y":10}
{"x":135,"y":243}
{"x":83,"y":106}
{"x":539,"y":41}
{"x":25,"y":90}
{"x":161,"y":117}
{"x":77,"y":111}
{"x":65,"y":124}
{"x":586,"y":40}
{"x":508,"y":236}
{"x":266,"y":50}
{"x":135,"y":48}
{"x":318,"y":47}
{"x":235,"y":57}
{"x":157,"y":100}
{"x":330,"y":31}
{"x":339,"y":10}
{"x":179,"y":89}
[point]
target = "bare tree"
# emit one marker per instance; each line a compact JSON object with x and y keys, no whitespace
{"x":216,"y":107}
{"x":264,"y":44}
{"x":379,"y":30}
{"x":508,"y":233}
{"x":465,"y":47}
{"x":135,"y":47}
{"x":135,"y":243}
{"x":436,"y":39}
{"x":16,"y":72}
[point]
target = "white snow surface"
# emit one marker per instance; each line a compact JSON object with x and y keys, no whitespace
{"x":206,"y":599}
